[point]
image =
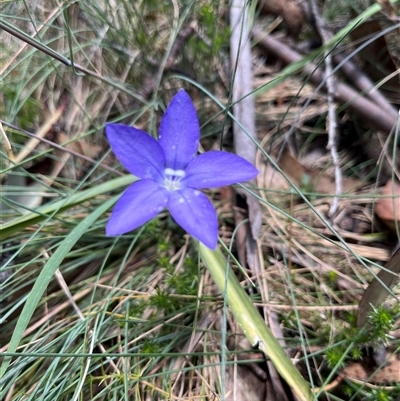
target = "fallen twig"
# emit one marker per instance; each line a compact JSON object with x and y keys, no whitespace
{"x":381,"y":119}
{"x":330,"y":86}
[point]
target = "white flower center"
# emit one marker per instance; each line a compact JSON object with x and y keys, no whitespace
{"x":173,"y":179}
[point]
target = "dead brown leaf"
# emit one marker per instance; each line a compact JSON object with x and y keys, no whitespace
{"x":243,"y":384}
{"x":388,"y":208}
{"x":319,"y":181}
{"x":378,"y":62}
{"x":360,"y":371}
{"x":376,"y":293}
{"x":388,"y":9}
{"x":289,"y":10}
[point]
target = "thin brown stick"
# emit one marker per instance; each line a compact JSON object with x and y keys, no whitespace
{"x":383,"y":120}
{"x":355,"y":76}
{"x":362,"y":82}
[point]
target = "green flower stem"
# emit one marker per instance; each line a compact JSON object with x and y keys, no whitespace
{"x":252,"y":323}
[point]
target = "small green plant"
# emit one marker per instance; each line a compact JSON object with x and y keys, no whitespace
{"x":150,"y":346}
{"x":379,"y":394}
{"x":335,"y":357}
{"x":187,"y":281}
{"x":356,"y":353}
{"x":163,"y":300}
{"x":25,"y":111}
{"x":381,"y":321}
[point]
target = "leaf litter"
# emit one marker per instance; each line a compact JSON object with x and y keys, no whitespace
{"x":305,"y":265}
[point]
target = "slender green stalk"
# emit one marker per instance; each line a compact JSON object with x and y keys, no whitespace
{"x":252,"y":323}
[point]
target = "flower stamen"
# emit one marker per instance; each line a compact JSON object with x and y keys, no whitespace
{"x":173,"y":179}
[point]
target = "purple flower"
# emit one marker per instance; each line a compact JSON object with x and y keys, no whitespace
{"x":171,"y":174}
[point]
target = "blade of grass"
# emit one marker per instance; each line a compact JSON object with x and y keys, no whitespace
{"x":376,"y":293}
{"x":18,"y":33}
{"x":252,"y":323}
{"x":41,"y":213}
{"x":45,"y":277}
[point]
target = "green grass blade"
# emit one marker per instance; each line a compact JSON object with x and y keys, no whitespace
{"x":45,"y":277}
{"x":43,"y":212}
{"x":252,"y":323}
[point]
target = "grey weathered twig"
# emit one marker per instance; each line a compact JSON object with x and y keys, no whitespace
{"x":330,"y":86}
{"x":243,"y":110}
{"x":243,"y":106}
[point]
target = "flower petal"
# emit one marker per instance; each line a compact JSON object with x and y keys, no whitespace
{"x":142,"y":201}
{"x":179,"y":132}
{"x":216,"y":169}
{"x":138,"y":152}
{"x":192,"y":210}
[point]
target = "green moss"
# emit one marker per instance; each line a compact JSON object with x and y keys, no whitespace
{"x":26,"y":113}
{"x":381,"y":322}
